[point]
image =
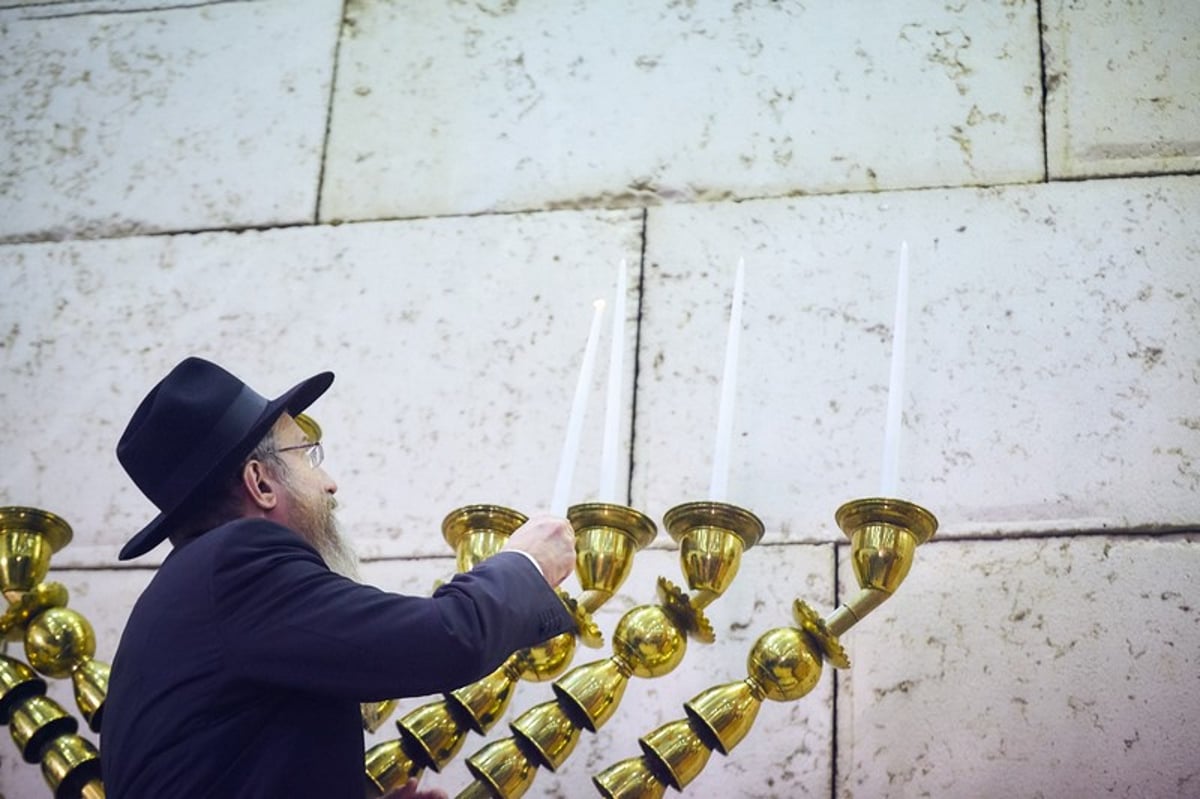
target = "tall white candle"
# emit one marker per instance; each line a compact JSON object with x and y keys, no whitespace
{"x":613,"y":403}
{"x":570,"y":449}
{"x":890,"y":473}
{"x":720,"y":468}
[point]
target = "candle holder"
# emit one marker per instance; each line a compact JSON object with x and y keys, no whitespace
{"x":28,"y":538}
{"x":607,"y":537}
{"x":45,"y":733}
{"x":784,"y":664}
{"x":59,"y":642}
{"x":649,"y":641}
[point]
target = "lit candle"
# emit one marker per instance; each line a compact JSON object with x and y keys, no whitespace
{"x":890,"y":474}
{"x":612,"y":410}
{"x":570,"y":449}
{"x":720,"y":467}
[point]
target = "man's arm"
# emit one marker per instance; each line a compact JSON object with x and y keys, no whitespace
{"x":286,"y":619}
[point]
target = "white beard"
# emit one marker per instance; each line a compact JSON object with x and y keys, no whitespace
{"x":317,"y":524}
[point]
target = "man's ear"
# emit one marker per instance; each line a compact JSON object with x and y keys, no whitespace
{"x":262,"y":488}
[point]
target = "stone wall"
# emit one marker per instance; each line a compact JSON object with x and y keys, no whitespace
{"x":427,"y":197}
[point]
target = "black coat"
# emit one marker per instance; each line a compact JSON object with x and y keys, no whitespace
{"x":242,"y":666}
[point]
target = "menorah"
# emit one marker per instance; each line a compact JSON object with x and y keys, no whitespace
{"x":59,"y":643}
{"x":649,"y":641}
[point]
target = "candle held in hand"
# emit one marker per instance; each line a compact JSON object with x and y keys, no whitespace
{"x":570,"y":449}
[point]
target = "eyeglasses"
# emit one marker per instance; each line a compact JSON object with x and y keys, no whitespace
{"x":314,"y":453}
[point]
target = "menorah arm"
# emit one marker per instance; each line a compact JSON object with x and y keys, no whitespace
{"x":784,"y":664}
{"x":851,"y":613}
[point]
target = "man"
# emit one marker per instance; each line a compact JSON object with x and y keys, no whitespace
{"x":243,"y":664}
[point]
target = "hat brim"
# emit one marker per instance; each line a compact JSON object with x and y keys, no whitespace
{"x":292,"y":401}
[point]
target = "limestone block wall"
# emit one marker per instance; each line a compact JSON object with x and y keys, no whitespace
{"x":427,"y":197}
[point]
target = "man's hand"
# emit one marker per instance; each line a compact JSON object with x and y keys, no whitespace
{"x":410,"y":791}
{"x":551,"y":542}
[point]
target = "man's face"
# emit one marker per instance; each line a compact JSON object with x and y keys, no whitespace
{"x":307,"y":505}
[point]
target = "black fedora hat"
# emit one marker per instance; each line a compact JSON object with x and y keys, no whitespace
{"x":191,"y":430}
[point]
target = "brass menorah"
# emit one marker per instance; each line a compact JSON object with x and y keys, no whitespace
{"x":650,"y":641}
{"x":59,"y":643}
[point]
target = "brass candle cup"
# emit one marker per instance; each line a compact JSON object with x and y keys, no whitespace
{"x":629,"y":779}
{"x":35,"y":723}
{"x":28,"y":537}
{"x":723,"y":715}
{"x":675,"y":752}
{"x":884,"y":534}
{"x":592,"y":692}
{"x":308,"y":426}
{"x":374,"y":714}
{"x":71,"y":766}
{"x":18,"y":682}
{"x":548,"y":732}
{"x":712,"y":537}
{"x":484,"y":702}
{"x":432,"y":734}
{"x":476,"y":532}
{"x":90,"y":681}
{"x":607,"y":537}
{"x":388,"y":766}
{"x":503,"y":768}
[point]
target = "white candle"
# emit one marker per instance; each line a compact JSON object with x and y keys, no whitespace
{"x":720,"y":467}
{"x":612,"y":409}
{"x":890,"y":473}
{"x":570,"y":449}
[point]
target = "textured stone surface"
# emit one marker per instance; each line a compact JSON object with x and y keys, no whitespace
{"x":150,"y":118}
{"x":1053,"y":368}
{"x":457,"y":344}
{"x":1053,"y":358}
{"x":1122,"y":87}
{"x":1063,"y":667}
{"x":500,"y":106}
{"x":759,"y":599}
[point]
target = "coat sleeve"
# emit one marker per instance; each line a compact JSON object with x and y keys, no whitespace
{"x":287,"y":619}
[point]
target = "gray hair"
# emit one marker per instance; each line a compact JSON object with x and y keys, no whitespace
{"x":223,"y":503}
